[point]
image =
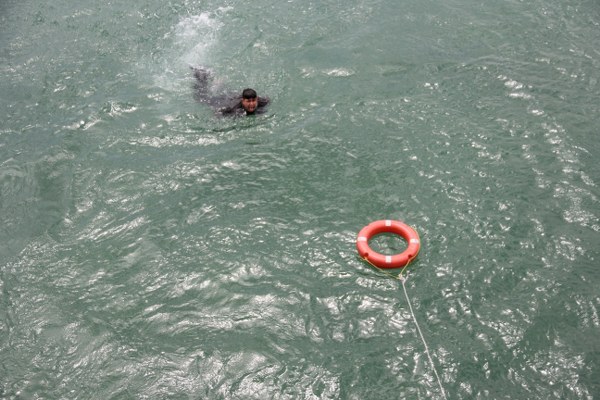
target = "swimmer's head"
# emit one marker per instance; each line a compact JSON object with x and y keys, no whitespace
{"x":249,"y":100}
{"x":249,"y":94}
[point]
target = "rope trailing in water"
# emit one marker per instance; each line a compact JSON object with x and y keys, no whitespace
{"x":403,"y":279}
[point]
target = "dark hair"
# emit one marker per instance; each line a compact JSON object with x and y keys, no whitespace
{"x":249,"y":94}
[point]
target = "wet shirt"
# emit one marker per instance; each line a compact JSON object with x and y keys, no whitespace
{"x":226,"y":105}
{"x":236,"y":108}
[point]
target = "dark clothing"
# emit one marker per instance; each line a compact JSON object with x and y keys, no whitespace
{"x":237,"y":109}
{"x":227,"y":105}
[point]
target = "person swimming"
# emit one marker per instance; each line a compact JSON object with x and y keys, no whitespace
{"x":248,"y":103}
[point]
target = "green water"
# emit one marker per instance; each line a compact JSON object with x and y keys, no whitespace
{"x":150,"y":250}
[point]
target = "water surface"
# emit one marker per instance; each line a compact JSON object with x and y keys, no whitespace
{"x":152,"y":250}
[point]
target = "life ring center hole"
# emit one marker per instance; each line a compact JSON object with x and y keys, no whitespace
{"x":388,"y":243}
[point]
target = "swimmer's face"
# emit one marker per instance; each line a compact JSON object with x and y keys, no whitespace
{"x":250,"y":104}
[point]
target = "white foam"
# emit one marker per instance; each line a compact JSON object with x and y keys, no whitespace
{"x":189,"y":27}
{"x":194,"y":36}
{"x":188,"y":43}
{"x":339,"y":72}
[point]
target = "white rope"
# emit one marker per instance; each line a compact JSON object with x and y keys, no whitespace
{"x":403,"y":279}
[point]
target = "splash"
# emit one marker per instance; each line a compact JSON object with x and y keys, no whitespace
{"x":194,"y":36}
{"x":188,"y":43}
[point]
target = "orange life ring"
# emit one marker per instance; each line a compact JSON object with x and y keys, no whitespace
{"x":381,"y":260}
